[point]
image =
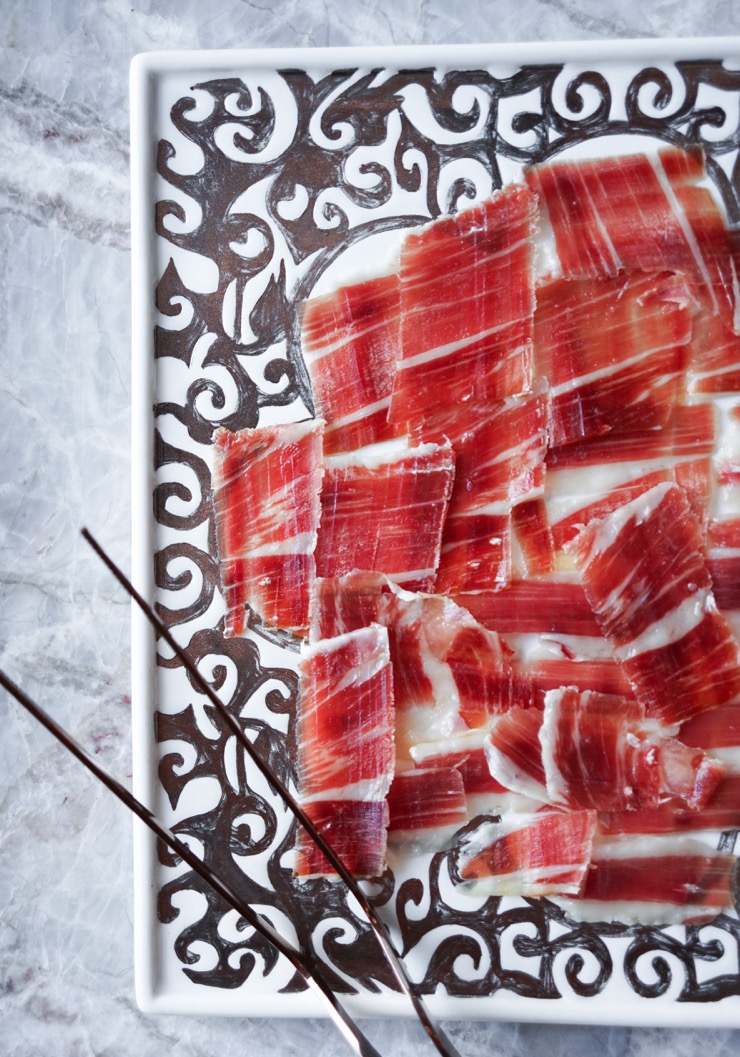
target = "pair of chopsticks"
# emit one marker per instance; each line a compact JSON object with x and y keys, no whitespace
{"x":304,"y":962}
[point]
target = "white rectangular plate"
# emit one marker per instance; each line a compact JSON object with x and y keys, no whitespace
{"x":259,"y":178}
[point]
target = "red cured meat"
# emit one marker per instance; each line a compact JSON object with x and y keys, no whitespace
{"x":695,"y":478}
{"x":467,"y":298}
{"x":499,"y":468}
{"x":472,"y":763}
{"x":500,"y":458}
{"x":567,"y":528}
{"x":346,"y":603}
{"x":345,"y":717}
{"x":476,"y":551}
{"x":427,"y":799}
{"x":639,"y":212}
{"x":476,"y":774}
{"x":350,"y":344}
{"x":714,"y":354}
{"x":384,"y":513}
{"x":356,"y":831}
{"x":485,"y":681}
{"x":540,"y":854}
{"x":346,"y":756}
{"x":723,"y":561}
{"x":593,"y":478}
{"x":604,"y":676}
{"x":671,"y":816}
{"x":644,"y":574}
{"x":673,"y":871}
{"x":448,"y":671}
{"x":532,"y":606}
{"x":266,"y":503}
{"x":664,"y":574}
{"x":514,"y":753}
{"x":688,"y":774}
{"x":719,"y":728}
{"x":725,"y":574}
{"x":613,"y":351}
{"x":591,"y":755}
{"x":723,"y":532}
{"x":689,"y":433}
{"x":466,"y":753}
{"x":533,"y":533}
{"x":597,"y":753}
{"x":425,"y":633}
{"x":465,"y":725}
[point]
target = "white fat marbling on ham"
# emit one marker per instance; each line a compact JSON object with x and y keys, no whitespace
{"x":383,"y":509}
{"x":266,"y":503}
{"x":540,"y":854}
{"x":644,"y":573}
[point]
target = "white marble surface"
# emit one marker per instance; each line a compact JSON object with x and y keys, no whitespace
{"x":66,"y":963}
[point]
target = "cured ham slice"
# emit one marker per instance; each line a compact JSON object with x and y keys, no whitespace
{"x":598,"y":753}
{"x":383,"y":512}
{"x":679,"y":878}
{"x":345,"y":718}
{"x":439,"y":651}
{"x":499,"y":470}
{"x":526,"y":606}
{"x":672,"y":816}
{"x":449,"y":672}
{"x":476,"y":551}
{"x":689,"y":434}
{"x":644,"y":574}
{"x":566,"y":528}
{"x":723,"y":561}
{"x":347,"y":603}
{"x":714,"y":354}
{"x":485,"y":681}
{"x":426,"y":801}
{"x":345,"y":740}
{"x":592,"y":754}
{"x":356,"y":831}
{"x":725,"y":573}
{"x":266,"y":502}
{"x":639,"y":212}
{"x":613,"y":351}
{"x":467,"y":299}
{"x":500,"y":459}
{"x":466,"y":753}
{"x":350,"y":344}
{"x":541,"y":854}
{"x":602,"y":675}
{"x":715,"y":730}
{"x":533,"y":533}
{"x":514,"y":753}
{"x":593,"y":478}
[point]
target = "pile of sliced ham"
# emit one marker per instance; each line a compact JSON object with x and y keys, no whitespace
{"x":511,"y":543}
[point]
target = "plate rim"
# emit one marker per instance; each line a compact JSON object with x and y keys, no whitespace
{"x":144,"y":70}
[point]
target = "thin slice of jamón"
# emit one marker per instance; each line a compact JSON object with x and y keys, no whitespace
{"x":350,"y":345}
{"x":644,"y":574}
{"x":345,"y":740}
{"x":266,"y":501}
{"x":384,"y":512}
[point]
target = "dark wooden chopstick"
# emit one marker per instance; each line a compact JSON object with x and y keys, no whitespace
{"x":435,"y":1033}
{"x":308,"y":967}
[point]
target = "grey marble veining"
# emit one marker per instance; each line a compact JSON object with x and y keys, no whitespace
{"x":66,"y":962}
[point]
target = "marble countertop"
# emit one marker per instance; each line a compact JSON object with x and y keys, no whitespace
{"x":66,"y":962}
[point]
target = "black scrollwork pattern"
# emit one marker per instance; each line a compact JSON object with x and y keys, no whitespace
{"x":271,"y":178}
